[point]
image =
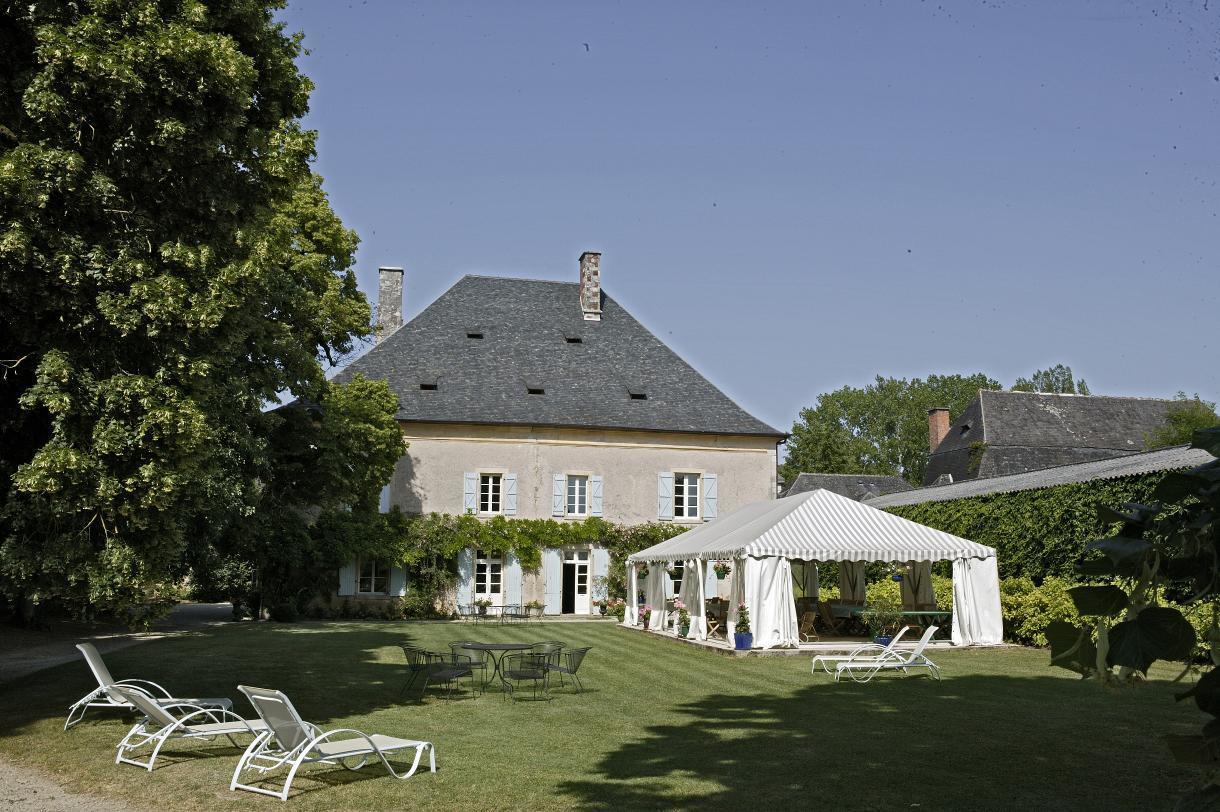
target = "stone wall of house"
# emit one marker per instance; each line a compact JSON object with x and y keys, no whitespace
{"x":429,"y":477}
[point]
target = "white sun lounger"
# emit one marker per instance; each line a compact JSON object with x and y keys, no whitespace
{"x":176,"y":721}
{"x":865,"y":651}
{"x":904,"y":661}
{"x":104,"y":697}
{"x":292,"y":742}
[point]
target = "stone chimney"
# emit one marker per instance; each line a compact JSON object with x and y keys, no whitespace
{"x":938,"y":426}
{"x":389,"y":301}
{"x":591,"y":285}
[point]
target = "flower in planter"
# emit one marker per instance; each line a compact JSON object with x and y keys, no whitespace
{"x":743,"y":620}
{"x":721,"y":568}
{"x":683,"y":615}
{"x":645,"y":614}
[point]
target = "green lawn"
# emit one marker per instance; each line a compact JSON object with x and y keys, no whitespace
{"x":661,"y":725}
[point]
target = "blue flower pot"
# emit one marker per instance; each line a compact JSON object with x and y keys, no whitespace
{"x":742,"y":642}
{"x":895,"y":577}
{"x":883,"y":639}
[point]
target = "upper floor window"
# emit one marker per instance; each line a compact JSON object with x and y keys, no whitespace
{"x":578,"y":495}
{"x":686,"y":496}
{"x":374,"y":576}
{"x":489,"y":493}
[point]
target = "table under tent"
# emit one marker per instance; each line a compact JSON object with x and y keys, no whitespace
{"x":763,"y":540}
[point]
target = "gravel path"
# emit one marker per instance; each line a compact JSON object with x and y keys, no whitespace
{"x":22,"y":788}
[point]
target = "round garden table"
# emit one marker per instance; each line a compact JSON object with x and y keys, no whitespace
{"x":497,"y":652}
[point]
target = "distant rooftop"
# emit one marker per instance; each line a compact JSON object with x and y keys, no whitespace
{"x":853,"y":486}
{"x":1164,"y":459}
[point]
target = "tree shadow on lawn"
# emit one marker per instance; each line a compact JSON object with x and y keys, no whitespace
{"x":970,"y":742}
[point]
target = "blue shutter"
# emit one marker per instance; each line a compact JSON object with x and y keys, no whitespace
{"x":595,"y":496}
{"x":552,"y":580}
{"x":384,"y":502}
{"x":398,"y":581}
{"x":510,"y":494}
{"x":600,"y":569}
{"x":465,"y":585}
{"x":709,"y":497}
{"x":347,"y":578}
{"x":665,"y":496}
{"x":470,"y":483}
{"x":558,"y":496}
{"x":512,"y":580}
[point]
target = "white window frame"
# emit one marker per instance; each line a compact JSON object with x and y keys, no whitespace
{"x":676,"y":576}
{"x":582,"y":494}
{"x":380,"y":571}
{"x":682,"y":483}
{"x":495,"y":498}
{"x":488,"y":573}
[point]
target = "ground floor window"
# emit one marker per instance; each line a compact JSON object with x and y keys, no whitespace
{"x":374,"y":576}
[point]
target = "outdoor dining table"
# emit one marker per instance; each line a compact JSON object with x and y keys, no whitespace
{"x":938,"y":616}
{"x":497,"y":652}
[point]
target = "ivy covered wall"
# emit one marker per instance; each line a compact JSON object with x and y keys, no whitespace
{"x":1037,"y":534}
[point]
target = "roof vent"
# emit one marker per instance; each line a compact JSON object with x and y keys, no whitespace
{"x":639,"y":395}
{"x":964,"y":430}
{"x":475,"y":334}
{"x":427,"y":387}
{"x":535,"y":390}
{"x":574,"y":339}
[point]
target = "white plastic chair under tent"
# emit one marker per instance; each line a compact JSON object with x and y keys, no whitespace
{"x":761,"y":541}
{"x":179,"y":720}
{"x":862,"y":652}
{"x":291,"y":742}
{"x":103,"y":696}
{"x":864,"y":669}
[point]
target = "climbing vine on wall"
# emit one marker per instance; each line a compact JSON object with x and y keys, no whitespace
{"x":1037,"y":534}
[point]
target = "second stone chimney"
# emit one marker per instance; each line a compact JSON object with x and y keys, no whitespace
{"x":389,"y":301}
{"x":591,"y":285}
{"x":938,"y":426}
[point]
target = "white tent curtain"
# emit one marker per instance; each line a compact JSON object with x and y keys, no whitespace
{"x":654,"y":594}
{"x":630,"y":617}
{"x":976,"y":602}
{"x":768,"y":590}
{"x":737,"y":593}
{"x":851,"y":581}
{"x":810,"y":584}
{"x":917,"y":585}
{"x":688,"y":590}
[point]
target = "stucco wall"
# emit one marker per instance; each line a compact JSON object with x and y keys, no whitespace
{"x":429,"y":476}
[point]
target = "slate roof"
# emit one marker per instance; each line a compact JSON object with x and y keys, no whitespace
{"x":1003,"y":433}
{"x":853,"y":486}
{"x":526,"y":327}
{"x":1163,"y":459}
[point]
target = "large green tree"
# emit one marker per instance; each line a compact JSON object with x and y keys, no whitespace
{"x":881,"y":428}
{"x":1056,"y":380}
{"x":1186,"y":416}
{"x":169,"y":264}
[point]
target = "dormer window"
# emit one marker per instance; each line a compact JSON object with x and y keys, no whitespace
{"x":964,"y":430}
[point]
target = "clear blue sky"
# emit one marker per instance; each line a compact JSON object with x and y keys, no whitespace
{"x":799,"y":196}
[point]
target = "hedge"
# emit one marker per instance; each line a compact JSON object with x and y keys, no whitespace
{"x":1037,"y":534}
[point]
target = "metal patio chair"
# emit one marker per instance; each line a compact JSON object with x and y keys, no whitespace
{"x":568,"y":662}
{"x":434,"y":668}
{"x":292,"y":742}
{"x":530,"y":666}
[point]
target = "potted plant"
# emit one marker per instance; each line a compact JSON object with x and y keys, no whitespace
{"x":883,"y":618}
{"x":645,"y":614}
{"x":600,"y":603}
{"x":721,"y":568}
{"x":895,"y":573}
{"x":619,"y":607}
{"x":481,"y":605}
{"x":643,"y":571}
{"x":683,"y":619}
{"x":742,"y":638}
{"x":535,"y":607}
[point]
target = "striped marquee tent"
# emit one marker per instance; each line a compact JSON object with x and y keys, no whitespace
{"x":763,"y":539}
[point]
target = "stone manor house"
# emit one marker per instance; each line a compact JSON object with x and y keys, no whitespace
{"x":540,"y":399}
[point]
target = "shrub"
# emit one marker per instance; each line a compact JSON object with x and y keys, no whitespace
{"x":1028,"y":609}
{"x":284,"y":612}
